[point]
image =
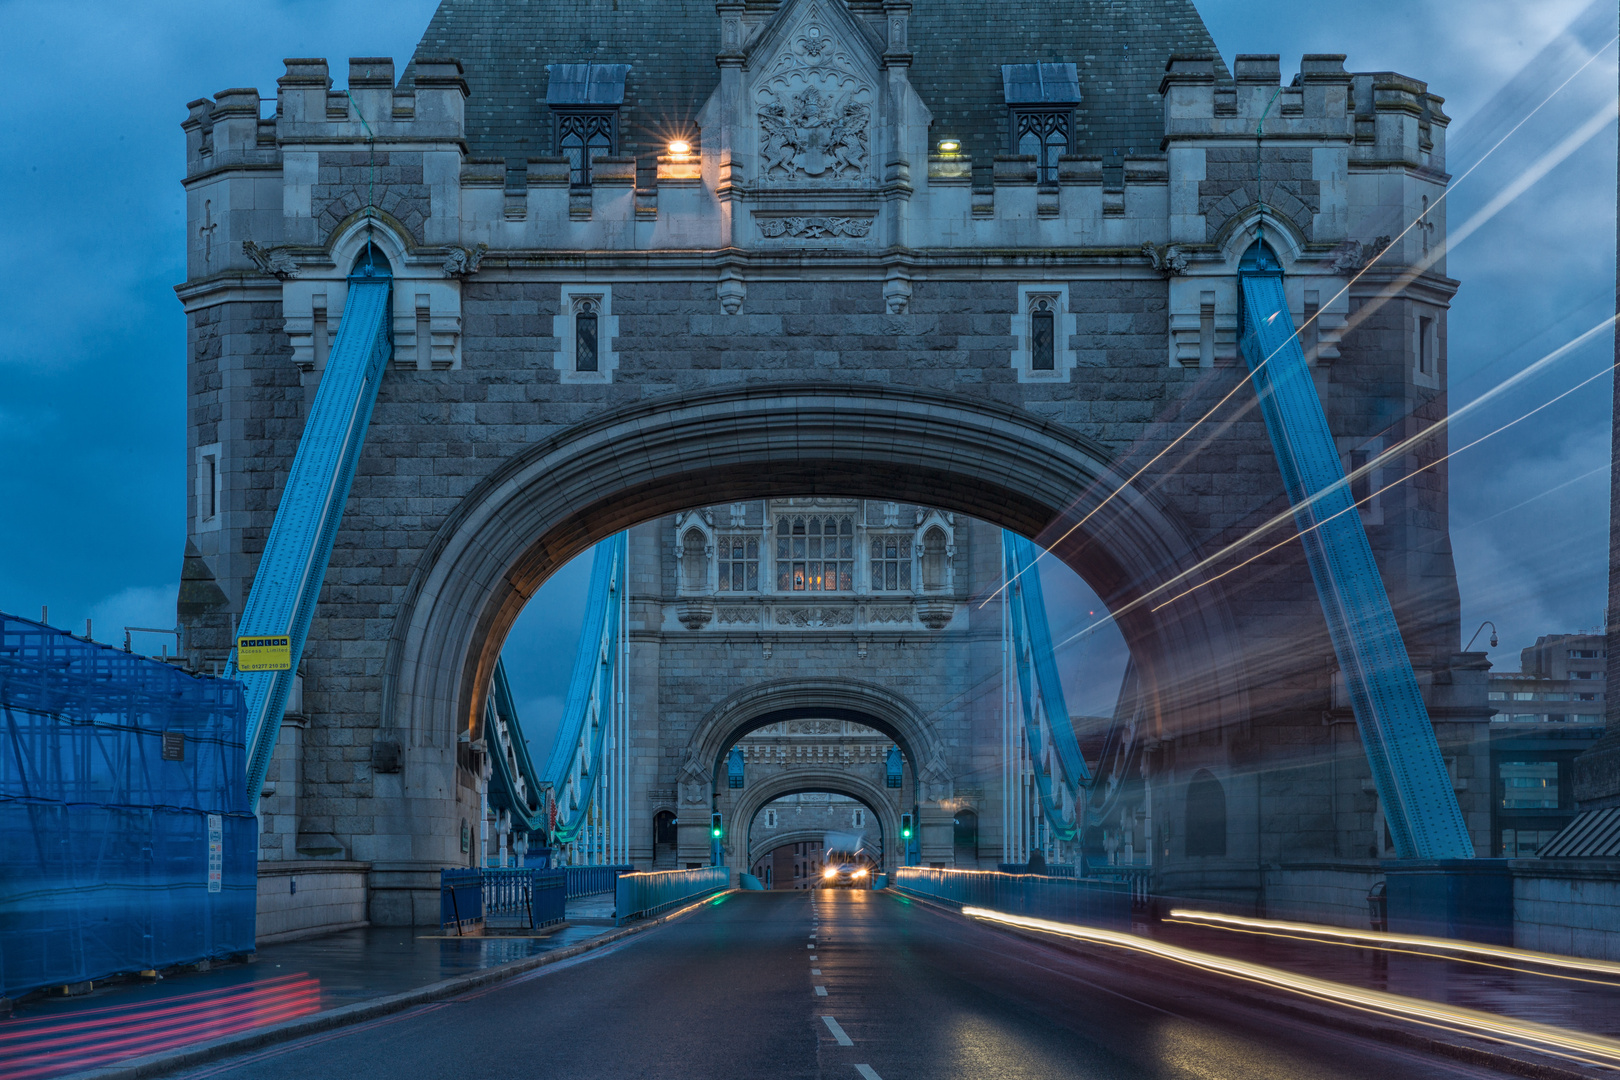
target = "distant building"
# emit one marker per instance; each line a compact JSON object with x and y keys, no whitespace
{"x":1546,"y":714}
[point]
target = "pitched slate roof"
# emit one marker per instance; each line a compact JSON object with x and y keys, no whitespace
{"x":1119,"y":49}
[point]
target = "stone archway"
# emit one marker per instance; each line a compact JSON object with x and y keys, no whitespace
{"x":973,"y":456}
{"x":756,"y":797}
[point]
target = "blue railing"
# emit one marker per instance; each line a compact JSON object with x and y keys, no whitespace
{"x":1088,"y":903}
{"x":593,"y":880}
{"x":1052,"y":869}
{"x":471,"y":898}
{"x":461,"y":899}
{"x":649,"y":894}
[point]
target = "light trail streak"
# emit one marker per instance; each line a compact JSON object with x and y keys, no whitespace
{"x":1421,"y":944}
{"x":1596,"y":123}
{"x":1525,"y":1034}
{"x":1400,"y":448}
{"x":1393,"y":484}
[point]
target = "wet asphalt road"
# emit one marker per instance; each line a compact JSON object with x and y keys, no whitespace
{"x":731,"y":991}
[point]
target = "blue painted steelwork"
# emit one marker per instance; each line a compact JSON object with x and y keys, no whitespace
{"x":579,"y":755}
{"x":648,"y":894}
{"x":288,"y":582}
{"x":1083,"y":901}
{"x":461,"y":899}
{"x":1419,"y":802}
{"x":514,"y":783}
{"x":593,"y":880}
{"x":1059,"y":768}
{"x":515,"y":897}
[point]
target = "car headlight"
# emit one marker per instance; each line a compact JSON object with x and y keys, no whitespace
{"x":831,"y":871}
{"x":860,"y":873}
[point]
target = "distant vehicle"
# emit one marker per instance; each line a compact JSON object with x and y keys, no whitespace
{"x":845,"y":875}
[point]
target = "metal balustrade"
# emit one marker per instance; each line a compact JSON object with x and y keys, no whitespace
{"x":593,"y":880}
{"x":1083,"y":901}
{"x":472,"y":898}
{"x":639,"y":895}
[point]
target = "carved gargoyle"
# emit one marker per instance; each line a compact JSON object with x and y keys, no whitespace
{"x":1353,"y":255}
{"x":464,"y":261}
{"x":273,"y":261}
{"x":1167,"y":259}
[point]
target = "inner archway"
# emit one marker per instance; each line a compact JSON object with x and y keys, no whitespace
{"x":996,"y":463}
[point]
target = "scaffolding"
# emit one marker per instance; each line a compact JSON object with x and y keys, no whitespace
{"x":126,"y":843}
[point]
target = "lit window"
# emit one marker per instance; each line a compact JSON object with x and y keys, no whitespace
{"x":815,"y":553}
{"x":739,"y":563}
{"x":1496,"y":695}
{"x":1528,"y":785}
{"x":891,"y":562}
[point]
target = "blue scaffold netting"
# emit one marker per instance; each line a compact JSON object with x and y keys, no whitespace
{"x":126,"y":843}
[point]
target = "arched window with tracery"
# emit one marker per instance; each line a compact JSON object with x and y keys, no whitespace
{"x":815,"y":553}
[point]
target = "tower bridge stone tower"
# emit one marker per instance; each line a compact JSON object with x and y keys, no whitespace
{"x":674,"y":255}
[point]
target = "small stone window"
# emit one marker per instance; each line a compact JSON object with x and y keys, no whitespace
{"x":694,"y":561}
{"x":1044,"y":328}
{"x":739,"y":563}
{"x":860,"y":819}
{"x":1042,"y":334}
{"x":815,"y":553}
{"x":210,"y":484}
{"x":891,"y":563}
{"x":585,"y":333}
{"x":770,"y":819}
{"x":933,"y":559}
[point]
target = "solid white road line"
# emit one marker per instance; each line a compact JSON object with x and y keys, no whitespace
{"x":821,"y":991}
{"x":867,"y":1072}
{"x":838,"y":1032}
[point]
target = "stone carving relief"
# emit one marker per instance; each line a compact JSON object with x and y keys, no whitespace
{"x":815,"y":727}
{"x":814,"y":228}
{"x":732,"y":616}
{"x":1353,"y":255}
{"x":815,"y":617}
{"x":462,"y":261}
{"x":277,"y":264}
{"x":1168,"y":259}
{"x":814,"y":110}
{"x":890,"y":614}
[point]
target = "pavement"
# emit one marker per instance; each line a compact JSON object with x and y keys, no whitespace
{"x":121,"y":1020}
{"x":845,"y":984}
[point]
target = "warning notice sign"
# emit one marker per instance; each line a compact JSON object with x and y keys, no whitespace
{"x":269,"y":653}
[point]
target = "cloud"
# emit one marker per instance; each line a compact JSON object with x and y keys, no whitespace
{"x":150,"y":606}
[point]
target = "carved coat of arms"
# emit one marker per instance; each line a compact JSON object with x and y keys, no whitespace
{"x":813,"y":134}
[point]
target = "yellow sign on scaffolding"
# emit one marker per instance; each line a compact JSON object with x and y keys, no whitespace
{"x":269,"y":653}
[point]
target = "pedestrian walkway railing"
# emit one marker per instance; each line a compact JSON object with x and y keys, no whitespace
{"x":639,"y":895}
{"x":470,"y":899}
{"x":1138,"y":879}
{"x":1075,"y":900}
{"x":1052,"y":869}
{"x":591,"y":880}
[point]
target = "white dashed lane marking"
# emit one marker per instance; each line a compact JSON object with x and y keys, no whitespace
{"x":815,"y":971}
{"x":867,"y":1072}
{"x":809,"y":946}
{"x":838,"y":1032}
{"x":821,"y":991}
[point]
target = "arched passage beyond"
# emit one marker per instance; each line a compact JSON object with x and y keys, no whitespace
{"x":972,"y":456}
{"x":744,"y":849}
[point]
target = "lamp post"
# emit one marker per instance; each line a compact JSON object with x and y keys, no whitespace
{"x":1482,"y":626}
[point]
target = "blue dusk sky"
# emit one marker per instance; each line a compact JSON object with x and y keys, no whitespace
{"x":92,"y":438}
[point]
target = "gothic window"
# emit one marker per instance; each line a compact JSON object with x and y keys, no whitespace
{"x":583,"y":136}
{"x":585,"y":326}
{"x":694,"y":563}
{"x":739,"y":563}
{"x":770,"y":819}
{"x":1040,"y":104}
{"x":933,"y":559}
{"x":585,"y":99}
{"x":1042,"y":333}
{"x":1206,"y":815}
{"x":664,"y":831}
{"x":891,"y":562}
{"x":860,"y":819}
{"x":1044,"y":135}
{"x":815,"y":553}
{"x":893,"y":769}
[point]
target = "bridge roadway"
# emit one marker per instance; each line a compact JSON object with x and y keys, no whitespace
{"x":834,"y":984}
